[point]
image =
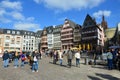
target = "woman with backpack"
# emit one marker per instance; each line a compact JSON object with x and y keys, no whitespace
{"x":23,"y":58}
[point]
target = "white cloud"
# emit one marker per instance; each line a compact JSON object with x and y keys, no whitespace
{"x":30,"y":19}
{"x":4,"y":20}
{"x":17,"y":16}
{"x":37,"y":1}
{"x":2,"y":12}
{"x":11,"y":5}
{"x":68,"y":5}
{"x":27,"y":26}
{"x":12,"y":12}
{"x":98,"y":14}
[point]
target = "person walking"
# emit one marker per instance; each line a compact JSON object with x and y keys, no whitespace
{"x":16,"y":58}
{"x":110,"y":60}
{"x":69,"y":57}
{"x":10,"y":57}
{"x":55,"y":57}
{"x":114,"y":53}
{"x":35,"y":56}
{"x":77,"y":56}
{"x":5,"y":59}
{"x":118,"y":59}
{"x":23,"y":58}
{"x":60,"y":57}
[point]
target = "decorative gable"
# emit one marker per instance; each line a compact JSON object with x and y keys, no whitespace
{"x":89,"y":22}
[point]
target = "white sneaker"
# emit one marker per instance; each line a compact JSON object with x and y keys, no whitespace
{"x":37,"y":71}
{"x":33,"y":71}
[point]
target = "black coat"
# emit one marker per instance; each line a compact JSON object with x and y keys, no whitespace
{"x":5,"y":56}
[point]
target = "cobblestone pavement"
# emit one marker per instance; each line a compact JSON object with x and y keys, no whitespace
{"x":49,"y":71}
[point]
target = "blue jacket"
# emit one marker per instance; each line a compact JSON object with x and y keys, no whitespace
{"x":5,"y":56}
{"x":114,"y":54}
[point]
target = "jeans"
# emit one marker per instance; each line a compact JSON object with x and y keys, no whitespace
{"x":35,"y":65}
{"x":22,"y":63}
{"x":61,"y":61}
{"x":54,"y":61}
{"x":16,"y":62}
{"x":77,"y":61}
{"x":69,"y":62}
{"x":114,"y":63}
{"x":110,"y":64}
{"x":5,"y":63}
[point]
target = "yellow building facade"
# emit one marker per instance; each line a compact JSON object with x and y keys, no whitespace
{"x":109,"y":33}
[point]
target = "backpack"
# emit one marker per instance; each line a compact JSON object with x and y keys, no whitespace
{"x":23,"y":58}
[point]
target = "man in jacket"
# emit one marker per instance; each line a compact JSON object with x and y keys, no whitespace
{"x":69,"y":57}
{"x":5,"y":59}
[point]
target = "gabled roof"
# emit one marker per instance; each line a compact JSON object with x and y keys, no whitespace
{"x":39,"y":32}
{"x":49,"y":29}
{"x":116,"y":34}
{"x":89,"y":22}
{"x":72,"y":24}
{"x":59,"y":26}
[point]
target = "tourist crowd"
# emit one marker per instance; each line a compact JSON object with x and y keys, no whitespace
{"x":19,"y":59}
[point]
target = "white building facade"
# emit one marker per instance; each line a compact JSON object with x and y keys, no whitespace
{"x":50,"y":37}
{"x":57,"y":37}
{"x":18,"y":40}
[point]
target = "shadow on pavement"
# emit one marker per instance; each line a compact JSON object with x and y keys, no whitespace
{"x":105,"y":76}
{"x":59,"y":65}
{"x":62,"y":65}
{"x":93,"y":78}
{"x":108,"y":77}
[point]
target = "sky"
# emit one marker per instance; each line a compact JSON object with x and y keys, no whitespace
{"x":34,"y":15}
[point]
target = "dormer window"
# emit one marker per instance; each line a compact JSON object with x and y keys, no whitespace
{"x":8,"y":31}
{"x":18,"y":32}
{"x":13,"y":32}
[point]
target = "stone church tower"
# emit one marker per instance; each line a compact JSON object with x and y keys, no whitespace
{"x":104,"y":23}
